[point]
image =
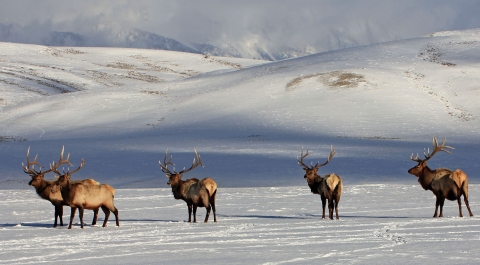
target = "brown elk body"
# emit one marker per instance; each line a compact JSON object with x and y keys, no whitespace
{"x":444,"y":183}
{"x":329,"y":188}
{"x":45,"y":188}
{"x":86,"y":196}
{"x":196,"y":193}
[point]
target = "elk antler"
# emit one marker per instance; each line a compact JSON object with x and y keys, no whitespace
{"x":32,"y":170}
{"x":71,"y":172}
{"x":332,"y":153}
{"x":435,"y":150}
{"x":54,"y":166}
{"x":300,"y":162}
{"x":27,"y":168}
{"x":164,"y":167}
{"x":197,"y":161}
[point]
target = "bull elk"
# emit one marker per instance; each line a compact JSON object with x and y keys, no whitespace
{"x":196,"y":193}
{"x":444,"y":183}
{"x":45,"y":188}
{"x":329,"y":188}
{"x":85,"y":196}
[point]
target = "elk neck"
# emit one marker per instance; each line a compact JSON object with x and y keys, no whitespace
{"x":425,"y":177}
{"x":316,"y":184}
{"x":64,"y":185}
{"x":40,"y":187}
{"x":177,"y":189}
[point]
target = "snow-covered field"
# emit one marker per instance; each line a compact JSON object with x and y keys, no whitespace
{"x":120,"y":109}
{"x":379,"y":224}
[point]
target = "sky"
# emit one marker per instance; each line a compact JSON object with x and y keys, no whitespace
{"x":313,"y":26}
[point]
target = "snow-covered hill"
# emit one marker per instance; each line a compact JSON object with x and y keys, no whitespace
{"x":120,"y":109}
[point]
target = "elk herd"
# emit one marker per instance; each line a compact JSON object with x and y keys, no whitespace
{"x":92,"y":195}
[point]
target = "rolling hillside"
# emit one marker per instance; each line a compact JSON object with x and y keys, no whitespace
{"x":120,"y":109}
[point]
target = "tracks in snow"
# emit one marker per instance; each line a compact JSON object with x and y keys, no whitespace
{"x":417,"y":76}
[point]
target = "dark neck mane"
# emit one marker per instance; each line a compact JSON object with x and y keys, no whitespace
{"x":176,"y":190}
{"x":315,"y":185}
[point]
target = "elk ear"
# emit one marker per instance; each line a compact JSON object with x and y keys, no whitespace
{"x":168,"y":175}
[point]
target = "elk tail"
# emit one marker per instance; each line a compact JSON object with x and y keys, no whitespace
{"x":459,"y":177}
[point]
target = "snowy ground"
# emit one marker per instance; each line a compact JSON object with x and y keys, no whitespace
{"x":379,"y":224}
{"x":120,"y":109}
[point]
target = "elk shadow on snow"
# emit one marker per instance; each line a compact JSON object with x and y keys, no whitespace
{"x":151,"y":220}
{"x":378,"y":217}
{"x":264,"y":216}
{"x":7,"y":225}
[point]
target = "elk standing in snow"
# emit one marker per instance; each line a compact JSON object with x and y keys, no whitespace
{"x":85,"y":196}
{"x":444,"y":183}
{"x":196,"y":193}
{"x":330,"y":187}
{"x":45,"y":188}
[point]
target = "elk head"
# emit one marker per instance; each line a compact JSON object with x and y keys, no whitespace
{"x":422,"y":163}
{"x":311,"y":172}
{"x":175,"y":177}
{"x":38,"y":176}
{"x":64,"y":178}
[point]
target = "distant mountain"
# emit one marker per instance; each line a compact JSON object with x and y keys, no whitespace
{"x":145,"y":40}
{"x":64,"y":39}
{"x":148,"y":40}
{"x":205,"y":48}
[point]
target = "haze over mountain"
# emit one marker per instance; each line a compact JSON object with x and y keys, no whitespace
{"x":269,"y":30}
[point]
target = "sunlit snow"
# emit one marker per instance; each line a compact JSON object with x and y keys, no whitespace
{"x":120,"y":109}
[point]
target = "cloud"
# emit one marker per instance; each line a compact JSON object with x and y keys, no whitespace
{"x":271,"y":24}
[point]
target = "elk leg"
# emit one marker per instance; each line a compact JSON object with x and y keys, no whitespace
{"x":208,"y":213}
{"x":324,"y":202}
{"x":115,"y":212}
{"x":189,"y":213}
{"x":459,"y":206}
{"x":214,"y":213}
{"x":194,"y":213}
{"x":468,"y":206}
{"x":212,"y":203}
{"x":72,"y":215}
{"x":95,"y":216}
{"x":330,"y":209}
{"x":206,"y":203}
{"x":437,"y":203}
{"x":442,"y":201}
{"x":80,"y":214}
{"x":107,"y":214}
{"x":60,"y":214}
{"x":336,"y":207}
{"x":57,"y":212}
{"x":56,"y":215}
